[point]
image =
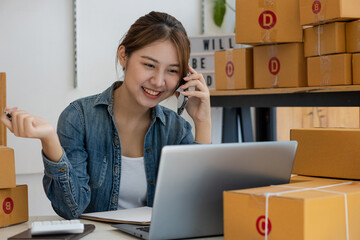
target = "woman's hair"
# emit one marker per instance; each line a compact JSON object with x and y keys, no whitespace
{"x":157,"y":26}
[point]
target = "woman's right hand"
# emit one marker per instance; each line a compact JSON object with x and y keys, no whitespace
{"x":23,"y":124}
{"x":26,"y":125}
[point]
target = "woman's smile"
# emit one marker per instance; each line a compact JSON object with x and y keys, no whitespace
{"x":151,"y":93}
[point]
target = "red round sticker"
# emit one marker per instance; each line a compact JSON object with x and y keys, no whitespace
{"x":8,"y":205}
{"x":267,"y":19}
{"x":316,"y":7}
{"x":274,"y":65}
{"x":260,"y":225}
{"x":229,"y":69}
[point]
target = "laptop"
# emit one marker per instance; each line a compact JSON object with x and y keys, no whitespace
{"x":188,"y":199}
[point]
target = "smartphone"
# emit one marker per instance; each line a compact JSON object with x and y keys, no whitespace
{"x":182,"y":100}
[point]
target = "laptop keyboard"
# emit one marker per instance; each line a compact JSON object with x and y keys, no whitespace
{"x":144,"y":229}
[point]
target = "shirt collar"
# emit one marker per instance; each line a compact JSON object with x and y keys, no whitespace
{"x":107,"y":98}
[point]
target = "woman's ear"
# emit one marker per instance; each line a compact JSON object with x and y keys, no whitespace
{"x":122,"y":56}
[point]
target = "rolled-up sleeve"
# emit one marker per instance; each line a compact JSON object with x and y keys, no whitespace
{"x":66,"y":182}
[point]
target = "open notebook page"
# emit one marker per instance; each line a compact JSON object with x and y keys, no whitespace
{"x":141,"y":215}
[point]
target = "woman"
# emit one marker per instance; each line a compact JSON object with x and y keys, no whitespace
{"x":105,"y":154}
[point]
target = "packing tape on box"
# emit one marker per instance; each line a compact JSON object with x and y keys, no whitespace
{"x":267,"y":33}
{"x":325,"y":70}
{"x":229,"y":69}
{"x":274,"y":64}
{"x":267,"y":195}
{"x":319,"y":31}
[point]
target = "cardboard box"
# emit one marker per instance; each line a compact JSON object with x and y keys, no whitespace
{"x":280,"y":65}
{"x":356,"y":68}
{"x":329,"y":70}
{"x":327,"y":152}
{"x":353,"y":36}
{"x":7,"y":168}
{"x":259,"y":22}
{"x":14,"y":205}
{"x":314,"y":12}
{"x":292,"y":212}
{"x":325,"y":39}
{"x":301,"y":178}
{"x":234,"y":69}
{"x":3,"y":140}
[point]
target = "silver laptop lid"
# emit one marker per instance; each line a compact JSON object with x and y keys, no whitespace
{"x":192,"y":178}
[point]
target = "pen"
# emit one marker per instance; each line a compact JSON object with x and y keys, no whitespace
{"x":8,"y":115}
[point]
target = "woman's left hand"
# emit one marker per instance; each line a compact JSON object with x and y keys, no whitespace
{"x":198,"y":106}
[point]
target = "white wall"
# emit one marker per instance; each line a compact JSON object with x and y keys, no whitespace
{"x":36,"y":52}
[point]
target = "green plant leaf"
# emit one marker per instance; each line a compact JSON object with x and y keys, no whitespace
{"x":219,"y":12}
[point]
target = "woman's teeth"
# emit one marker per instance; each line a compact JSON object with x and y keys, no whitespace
{"x":151,"y":92}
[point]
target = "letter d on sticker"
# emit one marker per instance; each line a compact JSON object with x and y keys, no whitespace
{"x":274,"y":65}
{"x":267,"y":19}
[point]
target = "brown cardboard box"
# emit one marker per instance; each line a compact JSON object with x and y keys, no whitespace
{"x":329,"y":70}
{"x":292,"y":212}
{"x":7,"y":168}
{"x":234,"y":69}
{"x":280,"y":65}
{"x":301,"y":178}
{"x":325,"y":39}
{"x":274,"y":21}
{"x":2,"y":107}
{"x":327,"y":152}
{"x":14,"y":205}
{"x":356,"y":68}
{"x":313,"y":12}
{"x":353,"y":36}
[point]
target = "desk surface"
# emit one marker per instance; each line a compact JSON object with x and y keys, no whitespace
{"x":102,"y":230}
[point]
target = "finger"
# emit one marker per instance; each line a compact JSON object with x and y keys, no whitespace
{"x":196,"y":76}
{"x":198,"y":94}
{"x":11,"y":110}
{"x":198,"y":85}
{"x":17,"y":122}
{"x":191,"y":70}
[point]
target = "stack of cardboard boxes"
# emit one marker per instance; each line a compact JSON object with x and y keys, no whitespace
{"x":273,"y":28}
{"x":13,"y":198}
{"x":321,"y":202}
{"x":296,"y":43}
{"x":329,"y":41}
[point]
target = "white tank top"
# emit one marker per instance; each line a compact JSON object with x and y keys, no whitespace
{"x":133,"y":186}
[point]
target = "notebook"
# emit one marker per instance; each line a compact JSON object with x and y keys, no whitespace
{"x":191,"y":180}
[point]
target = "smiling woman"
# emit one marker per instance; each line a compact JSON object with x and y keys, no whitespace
{"x":105,"y":152}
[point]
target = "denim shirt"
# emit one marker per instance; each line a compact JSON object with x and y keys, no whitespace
{"x":87,"y":177}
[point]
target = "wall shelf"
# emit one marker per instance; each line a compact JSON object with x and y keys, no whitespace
{"x":335,"y":96}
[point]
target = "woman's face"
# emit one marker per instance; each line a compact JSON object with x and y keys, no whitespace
{"x":152,"y":72}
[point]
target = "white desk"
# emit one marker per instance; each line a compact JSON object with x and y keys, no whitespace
{"x":102,"y":230}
